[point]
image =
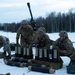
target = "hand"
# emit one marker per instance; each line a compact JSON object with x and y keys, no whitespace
{"x":58,"y":49}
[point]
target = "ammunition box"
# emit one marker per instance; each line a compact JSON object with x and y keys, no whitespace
{"x":71,"y":69}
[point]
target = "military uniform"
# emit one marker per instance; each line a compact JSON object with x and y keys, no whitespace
{"x":42,"y":28}
{"x":4,"y":41}
{"x":26,"y":33}
{"x":38,"y":32}
{"x":65,"y":46}
{"x":42,"y":39}
{"x":43,"y":43}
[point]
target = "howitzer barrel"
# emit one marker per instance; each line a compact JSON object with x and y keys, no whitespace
{"x":32,"y":21}
{"x":28,"y":4}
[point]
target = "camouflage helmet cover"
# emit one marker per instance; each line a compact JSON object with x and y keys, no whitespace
{"x":23,"y":22}
{"x":63,"y":33}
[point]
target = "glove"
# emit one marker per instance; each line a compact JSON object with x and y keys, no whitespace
{"x":58,"y":49}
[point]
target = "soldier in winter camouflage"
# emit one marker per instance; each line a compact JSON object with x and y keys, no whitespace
{"x":25,"y":33}
{"x":42,"y":39}
{"x":35,"y":32}
{"x":4,"y":42}
{"x":64,"y":46}
{"x":42,"y":44}
{"x":42,"y":28}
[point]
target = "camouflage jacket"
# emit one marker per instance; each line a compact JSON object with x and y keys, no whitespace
{"x":3,"y":41}
{"x":26,"y":34}
{"x":65,"y":47}
{"x":44,"y":41}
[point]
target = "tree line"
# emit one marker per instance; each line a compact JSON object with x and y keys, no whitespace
{"x":53,"y":22}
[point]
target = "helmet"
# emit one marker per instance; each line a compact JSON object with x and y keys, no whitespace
{"x":42,"y":28}
{"x":23,"y":22}
{"x":63,"y":34}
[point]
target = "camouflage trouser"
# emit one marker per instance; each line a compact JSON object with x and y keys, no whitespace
{"x":6,"y":47}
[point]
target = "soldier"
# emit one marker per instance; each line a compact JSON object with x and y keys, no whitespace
{"x":26,"y":33}
{"x":64,"y":46}
{"x":43,"y":42}
{"x":42,"y":28}
{"x":35,"y":33}
{"x":42,"y":38}
{"x":4,"y":41}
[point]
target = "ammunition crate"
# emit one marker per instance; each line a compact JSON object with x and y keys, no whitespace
{"x":71,"y":69}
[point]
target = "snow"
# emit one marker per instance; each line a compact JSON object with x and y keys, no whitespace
{"x":24,"y":71}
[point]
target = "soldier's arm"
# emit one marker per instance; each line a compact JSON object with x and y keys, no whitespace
{"x":56,"y":46}
{"x":69,"y":47}
{"x":47,"y":41}
{"x":18,"y":34}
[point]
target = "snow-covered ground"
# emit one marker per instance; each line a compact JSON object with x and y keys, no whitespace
{"x":24,"y":71}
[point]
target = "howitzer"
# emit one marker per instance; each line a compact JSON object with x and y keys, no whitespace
{"x":32,"y":20}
